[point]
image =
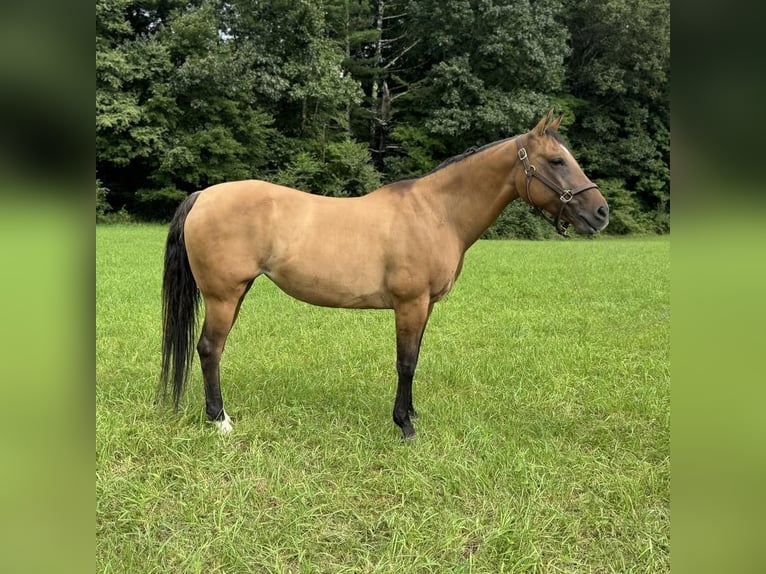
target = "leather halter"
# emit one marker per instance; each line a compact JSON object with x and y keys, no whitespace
{"x":565,"y":195}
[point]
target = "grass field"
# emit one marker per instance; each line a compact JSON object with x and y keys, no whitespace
{"x":543,"y":441}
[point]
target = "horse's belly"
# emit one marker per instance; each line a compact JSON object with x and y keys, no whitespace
{"x":317,"y":288}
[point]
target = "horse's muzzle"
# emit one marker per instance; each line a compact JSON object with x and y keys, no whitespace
{"x":588,"y":222}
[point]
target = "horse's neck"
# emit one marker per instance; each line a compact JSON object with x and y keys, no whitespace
{"x":473,"y":191}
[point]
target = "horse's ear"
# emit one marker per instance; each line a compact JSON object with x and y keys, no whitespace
{"x":539,"y":129}
{"x":555,"y":124}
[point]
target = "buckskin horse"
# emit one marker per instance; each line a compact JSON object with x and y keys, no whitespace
{"x":399,"y":247}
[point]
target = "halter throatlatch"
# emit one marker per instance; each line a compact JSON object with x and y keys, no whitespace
{"x":565,"y":195}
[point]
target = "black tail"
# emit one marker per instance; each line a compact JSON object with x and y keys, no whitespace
{"x":180,"y":301}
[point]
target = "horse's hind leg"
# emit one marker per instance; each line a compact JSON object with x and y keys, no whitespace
{"x":220,"y":315}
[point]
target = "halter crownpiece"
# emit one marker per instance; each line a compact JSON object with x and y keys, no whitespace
{"x":565,"y":195}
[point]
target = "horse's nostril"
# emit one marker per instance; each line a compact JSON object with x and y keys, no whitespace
{"x":603,"y":211}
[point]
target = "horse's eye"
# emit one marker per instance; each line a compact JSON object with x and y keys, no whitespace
{"x":557,"y":161}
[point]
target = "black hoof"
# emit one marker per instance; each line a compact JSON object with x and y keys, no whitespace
{"x":408,"y":433}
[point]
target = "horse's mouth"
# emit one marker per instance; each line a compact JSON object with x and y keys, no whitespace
{"x":589,"y":229}
{"x":584,"y":226}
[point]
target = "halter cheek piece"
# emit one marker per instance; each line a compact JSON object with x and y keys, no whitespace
{"x":565,"y":195}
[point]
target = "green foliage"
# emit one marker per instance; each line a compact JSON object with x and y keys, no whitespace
{"x":414,"y":152}
{"x":349,"y":171}
{"x":158,"y":204}
{"x":189,"y":94}
{"x":119,"y":217}
{"x":346,"y":171}
{"x":321,"y":87}
{"x":482,"y":87}
{"x":619,"y":76}
{"x":301,"y":173}
{"x":519,"y":221}
{"x":625,"y":215}
{"x":104,"y":212}
{"x":102,"y":205}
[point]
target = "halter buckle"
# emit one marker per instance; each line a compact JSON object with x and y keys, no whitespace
{"x":522,"y":153}
{"x":567,"y":196}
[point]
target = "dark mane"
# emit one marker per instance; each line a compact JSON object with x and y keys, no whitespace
{"x":474,"y":150}
{"x":467,"y":153}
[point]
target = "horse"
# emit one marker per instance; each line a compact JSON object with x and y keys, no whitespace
{"x":398,"y":247}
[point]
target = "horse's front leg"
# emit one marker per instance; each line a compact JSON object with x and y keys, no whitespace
{"x":411,"y":319}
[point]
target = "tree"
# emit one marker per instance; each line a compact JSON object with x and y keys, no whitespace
{"x":175,"y":107}
{"x":335,"y":96}
{"x":468,"y":89}
{"x":128,"y":61}
{"x":619,"y":78}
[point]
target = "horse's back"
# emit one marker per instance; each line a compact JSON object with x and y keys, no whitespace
{"x":327,"y":251}
{"x":253,"y":207}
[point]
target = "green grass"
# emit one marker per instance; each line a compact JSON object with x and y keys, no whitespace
{"x":543,"y":442}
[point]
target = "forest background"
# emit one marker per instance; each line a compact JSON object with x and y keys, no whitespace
{"x":338,"y":97}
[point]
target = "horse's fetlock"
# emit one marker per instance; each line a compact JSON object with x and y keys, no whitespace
{"x":401,"y":418}
{"x":215,"y":412}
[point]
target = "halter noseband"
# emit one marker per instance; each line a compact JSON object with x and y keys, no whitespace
{"x":565,"y":195}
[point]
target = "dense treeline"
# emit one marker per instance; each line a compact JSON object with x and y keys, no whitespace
{"x":339,"y":96}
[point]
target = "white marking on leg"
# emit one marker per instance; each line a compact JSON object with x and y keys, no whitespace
{"x":224,"y":426}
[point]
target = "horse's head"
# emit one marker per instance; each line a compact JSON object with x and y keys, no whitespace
{"x":552,"y":180}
